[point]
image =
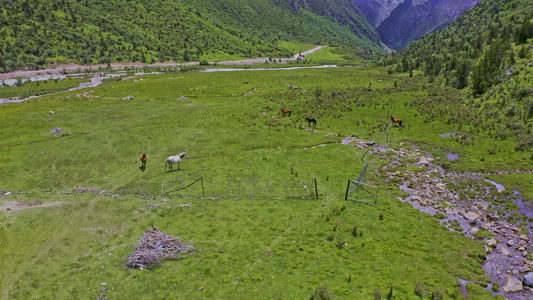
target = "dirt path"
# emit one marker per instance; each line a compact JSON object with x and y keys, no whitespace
{"x":72,"y":68}
{"x":469,"y":203}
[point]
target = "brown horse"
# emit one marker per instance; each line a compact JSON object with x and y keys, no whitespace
{"x":286,"y":112}
{"x":119,"y":79}
{"x":396,"y":120}
{"x":143,"y":160}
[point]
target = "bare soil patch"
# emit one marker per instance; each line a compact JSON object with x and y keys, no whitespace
{"x":12,"y":205}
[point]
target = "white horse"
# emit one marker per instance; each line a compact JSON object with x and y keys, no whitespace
{"x":175,"y":159}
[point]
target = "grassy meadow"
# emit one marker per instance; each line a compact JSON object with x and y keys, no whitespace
{"x":254,"y":241}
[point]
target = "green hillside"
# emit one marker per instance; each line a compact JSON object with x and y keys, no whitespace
{"x":476,"y":49}
{"x":35,"y":33}
{"x":486,"y":53}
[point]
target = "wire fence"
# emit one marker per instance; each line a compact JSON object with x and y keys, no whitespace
{"x":239,"y":188}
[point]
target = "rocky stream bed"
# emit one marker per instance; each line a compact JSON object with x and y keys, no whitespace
{"x":469,"y":203}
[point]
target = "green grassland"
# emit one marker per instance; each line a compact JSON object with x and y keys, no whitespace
{"x":56,"y":243}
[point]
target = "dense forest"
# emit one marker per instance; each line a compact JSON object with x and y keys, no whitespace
{"x":37,"y":33}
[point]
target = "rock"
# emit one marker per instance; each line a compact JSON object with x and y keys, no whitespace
{"x":524,"y":237}
{"x":528,"y":279}
{"x":513,"y":285}
{"x":510,"y":243}
{"x":493,"y":217}
{"x":524,"y":253}
{"x":473,"y":230}
{"x":524,"y":269}
{"x":423,"y":161}
{"x":51,"y":112}
{"x":492,"y":242}
{"x":505,"y":251}
{"x":471,"y":216}
{"x":128,"y":98}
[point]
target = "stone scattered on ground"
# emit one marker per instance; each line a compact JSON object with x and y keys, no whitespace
{"x":513,"y":285}
{"x":528,"y":279}
{"x":470,"y":204}
{"x":505,"y":251}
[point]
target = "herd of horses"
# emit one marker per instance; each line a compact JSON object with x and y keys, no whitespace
{"x":288,"y":113}
{"x":312,"y":120}
{"x":171,"y":160}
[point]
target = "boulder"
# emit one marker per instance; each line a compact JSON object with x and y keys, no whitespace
{"x":473,"y":230}
{"x":505,"y":251}
{"x":492,"y":242}
{"x":471,"y":216}
{"x":513,"y":285}
{"x":528,"y":279}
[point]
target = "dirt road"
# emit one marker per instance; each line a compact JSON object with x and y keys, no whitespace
{"x":73,"y":68}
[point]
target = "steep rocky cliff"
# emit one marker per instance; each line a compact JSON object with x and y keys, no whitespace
{"x":377,"y":10}
{"x":400,"y":22}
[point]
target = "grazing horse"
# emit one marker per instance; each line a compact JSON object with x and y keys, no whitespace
{"x":175,"y":159}
{"x":46,"y":81}
{"x":143,"y":160}
{"x":119,"y":79}
{"x":396,"y":120}
{"x":286,"y":112}
{"x":311,"y":120}
{"x":56,"y":80}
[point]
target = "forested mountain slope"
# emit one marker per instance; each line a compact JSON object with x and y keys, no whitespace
{"x":488,"y":52}
{"x":477,"y":48}
{"x":34,"y":33}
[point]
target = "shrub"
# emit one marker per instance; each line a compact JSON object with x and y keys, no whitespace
{"x":511,"y":110}
{"x":419,"y":289}
{"x":495,"y":287}
{"x":377,"y":294}
{"x":321,"y":293}
{"x":354,"y":231}
{"x":340,"y":242}
{"x":438,"y":294}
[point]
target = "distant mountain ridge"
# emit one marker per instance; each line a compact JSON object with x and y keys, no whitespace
{"x":400,"y":22}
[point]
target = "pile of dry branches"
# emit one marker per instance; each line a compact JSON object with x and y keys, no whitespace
{"x":154,"y":247}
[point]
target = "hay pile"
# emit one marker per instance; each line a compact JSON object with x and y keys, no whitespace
{"x":156,"y":246}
